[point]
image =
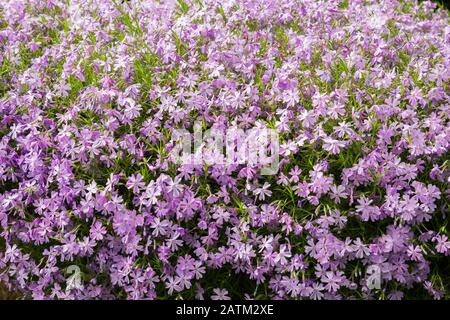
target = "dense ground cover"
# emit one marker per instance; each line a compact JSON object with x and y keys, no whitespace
{"x":91,"y":91}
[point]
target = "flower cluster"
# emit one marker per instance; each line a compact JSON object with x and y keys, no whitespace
{"x":92,"y":90}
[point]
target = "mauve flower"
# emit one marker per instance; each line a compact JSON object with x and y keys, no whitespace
{"x":356,"y":92}
{"x":220,"y":294}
